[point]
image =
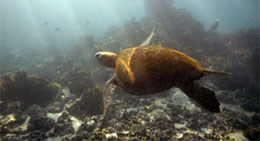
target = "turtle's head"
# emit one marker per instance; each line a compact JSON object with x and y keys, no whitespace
{"x":107,"y":59}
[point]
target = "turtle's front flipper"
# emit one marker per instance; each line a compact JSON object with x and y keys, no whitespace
{"x":148,"y":40}
{"x":107,"y":96}
{"x":203,"y":96}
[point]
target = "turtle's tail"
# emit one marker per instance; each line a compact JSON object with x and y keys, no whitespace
{"x":208,"y":72}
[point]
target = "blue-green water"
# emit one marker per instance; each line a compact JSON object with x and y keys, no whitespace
{"x":52,"y":85}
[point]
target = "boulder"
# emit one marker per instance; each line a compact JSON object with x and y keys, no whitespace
{"x":27,"y":89}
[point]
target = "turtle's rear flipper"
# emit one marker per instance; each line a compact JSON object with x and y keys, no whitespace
{"x":203,"y":96}
{"x":107,"y":96}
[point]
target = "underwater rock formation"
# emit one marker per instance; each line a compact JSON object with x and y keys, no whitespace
{"x":179,"y":24}
{"x":54,"y":67}
{"x":160,"y":11}
{"x":130,"y":34}
{"x":238,"y":51}
{"x":253,"y":133}
{"x":38,"y":119}
{"x":167,"y":118}
{"x":89,"y":103}
{"x":22,"y":89}
{"x":82,"y":53}
{"x":78,"y":80}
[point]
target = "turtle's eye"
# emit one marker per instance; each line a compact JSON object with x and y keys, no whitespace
{"x":97,"y":55}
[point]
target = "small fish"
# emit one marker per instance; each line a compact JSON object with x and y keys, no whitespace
{"x":46,"y":23}
{"x":87,"y":22}
{"x":57,"y":29}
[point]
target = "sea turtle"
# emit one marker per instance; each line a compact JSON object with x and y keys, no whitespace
{"x":148,"y":69}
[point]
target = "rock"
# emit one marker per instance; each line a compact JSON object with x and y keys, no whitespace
{"x":37,"y":135}
{"x":7,"y":121}
{"x":237,"y":136}
{"x":166,"y":134}
{"x":62,"y":129}
{"x":4,"y":130}
{"x":255,"y":119}
{"x":88,"y":126}
{"x":251,"y":106}
{"x":10,"y":136}
{"x":81,"y":136}
{"x":12,"y":123}
{"x":39,"y":120}
{"x":252,"y":132}
{"x":63,"y":118}
{"x":78,"y":80}
{"x":144,"y":101}
{"x":35,"y":111}
{"x":111,"y":136}
{"x":183,"y":101}
{"x":207,"y":130}
{"x":12,"y":107}
{"x":28,"y":89}
{"x":76,"y":123}
{"x":56,"y":107}
{"x":159,"y":114}
{"x":161,"y":103}
{"x":180,"y":126}
{"x":88,"y":104}
{"x":40,"y":123}
{"x":179,"y":135}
